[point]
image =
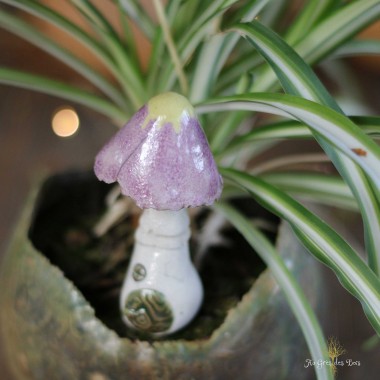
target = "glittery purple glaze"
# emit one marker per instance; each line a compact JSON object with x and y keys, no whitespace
{"x":113,"y":155}
{"x":162,"y":169}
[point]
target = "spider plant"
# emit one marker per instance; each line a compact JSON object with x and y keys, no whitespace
{"x":235,"y":60}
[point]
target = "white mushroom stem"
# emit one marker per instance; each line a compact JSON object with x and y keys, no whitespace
{"x":162,"y":291}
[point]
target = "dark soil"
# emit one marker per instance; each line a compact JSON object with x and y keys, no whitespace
{"x":68,"y":207}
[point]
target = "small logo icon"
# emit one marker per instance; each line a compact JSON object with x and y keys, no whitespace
{"x":335,"y":350}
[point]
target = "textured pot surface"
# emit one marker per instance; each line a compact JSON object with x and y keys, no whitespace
{"x":50,"y":331}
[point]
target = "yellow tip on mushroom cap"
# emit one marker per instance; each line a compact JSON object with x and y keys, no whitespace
{"x":168,"y":107}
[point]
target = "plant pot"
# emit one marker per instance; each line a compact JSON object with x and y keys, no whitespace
{"x":50,"y":330}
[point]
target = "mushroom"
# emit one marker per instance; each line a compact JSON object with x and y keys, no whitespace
{"x":162,"y":160}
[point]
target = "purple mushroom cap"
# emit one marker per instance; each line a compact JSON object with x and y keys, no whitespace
{"x":161,"y":157}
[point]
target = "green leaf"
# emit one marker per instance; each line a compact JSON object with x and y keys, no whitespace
{"x":136,"y":13}
{"x":288,"y":284}
{"x":328,"y":35}
{"x":208,"y":66}
{"x":214,"y":53}
{"x":127,"y":34}
{"x":45,"y":13}
{"x":88,"y":42}
{"x":52,"y":87}
{"x":334,"y":30}
{"x":185,"y":11}
{"x":314,"y":187}
{"x":200,"y":27}
{"x":157,"y":58}
{"x":337,"y":129}
{"x":31,"y":34}
{"x":229,"y":124}
{"x":171,"y":46}
{"x":131,"y":77}
{"x":369,"y":124}
{"x":358,"y":47}
{"x":282,"y":130}
{"x":297,"y":78}
{"x":309,"y":15}
{"x":250,"y":10}
{"x":293,"y":129}
{"x":322,"y":241}
{"x":243,"y":63}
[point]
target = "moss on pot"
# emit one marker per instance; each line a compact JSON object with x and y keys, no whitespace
{"x":54,"y":327}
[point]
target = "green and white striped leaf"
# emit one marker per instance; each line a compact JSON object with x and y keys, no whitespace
{"x":131,"y":78}
{"x":334,"y":30}
{"x":292,"y":129}
{"x":297,"y":78}
{"x":288,"y":284}
{"x":358,"y":47}
{"x":321,"y":240}
{"x":233,"y":70}
{"x":309,"y":15}
{"x":45,"y":13}
{"x":134,"y":10}
{"x":214,"y":54}
{"x":337,"y":129}
{"x":52,"y":87}
{"x":190,"y":40}
{"x":157,"y":57}
{"x":328,"y":35}
{"x":24,"y":30}
{"x":88,"y":42}
{"x":284,"y":61}
{"x":314,"y":187}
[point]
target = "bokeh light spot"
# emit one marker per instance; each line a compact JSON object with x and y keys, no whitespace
{"x":65,"y":122}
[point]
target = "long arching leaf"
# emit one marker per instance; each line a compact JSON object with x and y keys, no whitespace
{"x":321,"y":240}
{"x":289,"y":285}
{"x":52,"y":87}
{"x":297,"y":78}
{"x":28,"y":32}
{"x":336,"y":128}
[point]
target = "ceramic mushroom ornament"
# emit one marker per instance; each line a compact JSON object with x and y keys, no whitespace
{"x":161,"y":159}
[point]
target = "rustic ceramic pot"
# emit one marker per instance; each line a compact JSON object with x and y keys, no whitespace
{"x":50,"y":331}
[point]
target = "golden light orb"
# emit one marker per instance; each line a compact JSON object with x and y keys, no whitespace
{"x":65,"y":122}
